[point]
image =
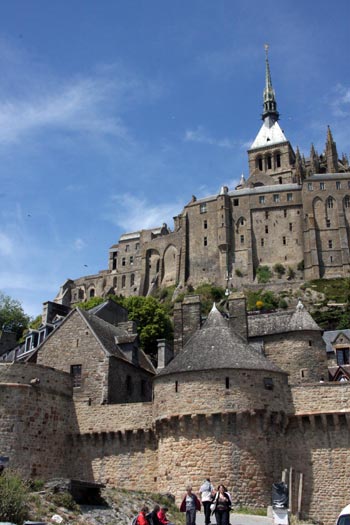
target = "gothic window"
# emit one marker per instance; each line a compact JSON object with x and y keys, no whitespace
{"x":289,"y":197}
{"x":92,"y":292}
{"x":81,"y":293}
{"x":115,"y":261}
{"x":269,"y":162}
{"x":75,"y":372}
{"x":260,"y":163}
{"x":262,"y":199}
{"x":278,"y":160}
{"x":203,"y":208}
{"x":347,"y":201}
{"x":330,"y":202}
{"x":276,"y":197}
{"x":338,"y":185}
{"x":123,"y":281}
{"x":132,"y":279}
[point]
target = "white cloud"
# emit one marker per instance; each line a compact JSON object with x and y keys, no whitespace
{"x":132,"y":213}
{"x":341,"y":101}
{"x":6,"y":245}
{"x":202,"y":137}
{"x":79,"y":244}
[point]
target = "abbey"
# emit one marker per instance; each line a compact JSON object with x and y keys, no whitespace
{"x":290,"y":210}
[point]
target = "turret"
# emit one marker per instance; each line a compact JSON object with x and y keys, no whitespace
{"x":331,"y":153}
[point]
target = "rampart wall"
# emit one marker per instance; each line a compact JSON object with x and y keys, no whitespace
{"x":318,"y":398}
{"x":36,"y":415}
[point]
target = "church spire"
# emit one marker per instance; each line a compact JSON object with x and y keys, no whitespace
{"x":270,"y":105}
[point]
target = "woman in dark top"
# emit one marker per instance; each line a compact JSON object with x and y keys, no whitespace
{"x":222,"y":506}
{"x":154,"y":515}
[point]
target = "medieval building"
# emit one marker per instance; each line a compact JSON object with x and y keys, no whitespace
{"x":290,"y":210}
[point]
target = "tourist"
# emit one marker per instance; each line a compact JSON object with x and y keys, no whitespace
{"x":206,"y":491}
{"x":153,"y":516}
{"x":222,"y":504}
{"x":162,"y":517}
{"x":141,"y":518}
{"x":190,"y":504}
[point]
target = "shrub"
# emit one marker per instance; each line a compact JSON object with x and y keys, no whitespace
{"x":300,"y":266}
{"x":282,"y":303}
{"x":279,"y":269}
{"x":263,"y":274}
{"x":290,"y":273}
{"x":238,"y":272}
{"x":64,"y":499}
{"x":13,"y":497}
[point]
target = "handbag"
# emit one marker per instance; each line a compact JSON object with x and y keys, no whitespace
{"x":212,"y":507}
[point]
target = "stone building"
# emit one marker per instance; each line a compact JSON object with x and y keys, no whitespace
{"x":290,"y":210}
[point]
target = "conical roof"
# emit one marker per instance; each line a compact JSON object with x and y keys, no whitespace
{"x":214,"y":346}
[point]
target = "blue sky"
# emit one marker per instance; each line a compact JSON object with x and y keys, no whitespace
{"x":113,"y":113}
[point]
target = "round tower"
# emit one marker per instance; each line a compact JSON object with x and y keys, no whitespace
{"x":219,"y":407}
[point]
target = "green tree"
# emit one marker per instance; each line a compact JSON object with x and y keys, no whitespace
{"x":12,"y":316}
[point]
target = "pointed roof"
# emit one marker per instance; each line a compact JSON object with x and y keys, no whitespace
{"x":270,"y":104}
{"x":214,"y":346}
{"x":269,"y":134}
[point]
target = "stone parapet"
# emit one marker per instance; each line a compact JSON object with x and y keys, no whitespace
{"x":320,"y":398}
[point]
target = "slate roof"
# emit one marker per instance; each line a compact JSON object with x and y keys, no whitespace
{"x":280,"y":322}
{"x":215,"y":346}
{"x":112,"y":337}
{"x":330,"y":336}
{"x":269,"y":134}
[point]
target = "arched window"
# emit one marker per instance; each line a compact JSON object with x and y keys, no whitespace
{"x":278,"y":160}
{"x":132,"y":279}
{"x":347,"y":201}
{"x":330,"y":202}
{"x":259,"y":163}
{"x":92,"y":292}
{"x":269,"y":162}
{"x":123,"y":281}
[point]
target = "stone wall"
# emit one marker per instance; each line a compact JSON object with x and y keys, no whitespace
{"x":217,"y":391}
{"x":321,"y":398}
{"x":36,"y":416}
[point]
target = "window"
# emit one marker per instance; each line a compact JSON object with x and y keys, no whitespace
{"x":276,"y":197}
{"x":268,"y":383}
{"x":309,"y":186}
{"x":131,"y":259}
{"x":347,"y":201}
{"x":284,"y":241}
{"x":284,"y":213}
{"x":123,"y":281}
{"x":242,"y":239}
{"x":75,"y":372}
{"x":92,"y":292}
{"x":176,"y":386}
{"x":227,"y":382}
{"x":322,"y":186}
{"x":205,"y":241}
{"x":280,"y":181}
{"x":123,"y":261}
{"x":328,"y":223}
{"x":132,"y":279}
{"x":269,"y":162}
{"x":278,"y":160}
{"x":262,"y":242}
{"x":329,"y":202}
{"x":137,"y":246}
{"x":203,"y":207}
{"x":262,"y":199}
{"x":330,"y":244}
{"x":338,"y":185}
{"x":310,"y":342}
{"x":266,"y":229}
{"x":205,"y":224}
{"x":290,"y":226}
{"x":115,"y":261}
{"x":343,"y":356}
{"x":127,"y":247}
{"x":266,"y":214}
{"x":260,"y":164}
{"x":331,"y":258}
{"x":289,"y":197}
{"x":128,"y":385}
{"x":236,"y":202}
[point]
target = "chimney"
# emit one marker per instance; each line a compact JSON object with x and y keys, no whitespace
{"x":165,"y":353}
{"x":187,"y":319}
{"x":238,"y":314}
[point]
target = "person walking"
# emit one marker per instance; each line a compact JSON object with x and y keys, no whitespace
{"x":190,"y":504}
{"x":207,"y":495}
{"x":222,"y":504}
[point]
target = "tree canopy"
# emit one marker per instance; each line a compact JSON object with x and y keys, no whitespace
{"x":12,"y":316}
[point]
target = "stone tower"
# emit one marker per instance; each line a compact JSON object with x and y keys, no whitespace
{"x":271,"y":155}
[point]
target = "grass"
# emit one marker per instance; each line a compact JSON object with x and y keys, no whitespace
{"x":337,"y":290}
